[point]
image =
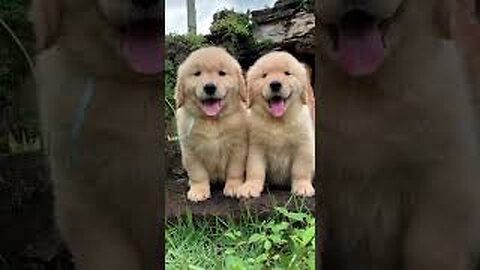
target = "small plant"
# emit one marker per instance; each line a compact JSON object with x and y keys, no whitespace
{"x":285,"y":240}
{"x":16,"y":65}
{"x":23,"y":144}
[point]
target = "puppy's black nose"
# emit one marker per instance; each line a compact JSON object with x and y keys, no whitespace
{"x":275,"y":86}
{"x":210,"y":89}
{"x":144,"y":3}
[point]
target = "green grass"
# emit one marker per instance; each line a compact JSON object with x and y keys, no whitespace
{"x":285,"y":240}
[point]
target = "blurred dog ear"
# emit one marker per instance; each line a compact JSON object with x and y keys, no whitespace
{"x":304,"y":95}
{"x":444,"y":18}
{"x":179,"y":93}
{"x":477,"y":10}
{"x":45,"y":16}
{"x":243,"y":88}
{"x":249,"y":82}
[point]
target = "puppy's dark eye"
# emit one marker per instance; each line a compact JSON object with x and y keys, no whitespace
{"x":222,"y":73}
{"x":288,"y":73}
{"x":264,"y":75}
{"x":198,"y":73}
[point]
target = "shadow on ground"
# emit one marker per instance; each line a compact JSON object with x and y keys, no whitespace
{"x":29,"y":240}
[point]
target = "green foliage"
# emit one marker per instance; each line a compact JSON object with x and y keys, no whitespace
{"x":231,"y":25}
{"x":15,"y":119}
{"x":235,"y":32}
{"x":286,"y":240}
{"x":307,"y":4}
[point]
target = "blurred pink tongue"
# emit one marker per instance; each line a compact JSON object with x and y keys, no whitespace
{"x":141,"y":47}
{"x":211,"y":107}
{"x":277,"y":107}
{"x":361,"y":50}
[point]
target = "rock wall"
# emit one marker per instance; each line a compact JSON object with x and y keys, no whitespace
{"x":289,"y":24}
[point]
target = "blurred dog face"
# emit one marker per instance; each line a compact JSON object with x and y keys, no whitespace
{"x":107,"y":34}
{"x":208,"y":80}
{"x":276,"y":81}
{"x":127,"y":12}
{"x":359,"y":35}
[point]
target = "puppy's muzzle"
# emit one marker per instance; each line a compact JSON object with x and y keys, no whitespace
{"x":210,"y":89}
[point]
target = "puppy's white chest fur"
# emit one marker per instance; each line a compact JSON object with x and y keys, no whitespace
{"x":281,"y":141}
{"x":211,"y":142}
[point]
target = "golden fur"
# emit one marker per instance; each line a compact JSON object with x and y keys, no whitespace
{"x":213,"y":147}
{"x":398,"y":153}
{"x":105,"y":167}
{"x":280,"y":148}
{"x":310,"y":96}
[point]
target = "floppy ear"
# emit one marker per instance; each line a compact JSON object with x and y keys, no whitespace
{"x":308,"y":91}
{"x":179,"y":94}
{"x":477,"y":10}
{"x":304,"y":96}
{"x":243,"y":88}
{"x":45,"y":16}
{"x":444,"y":17}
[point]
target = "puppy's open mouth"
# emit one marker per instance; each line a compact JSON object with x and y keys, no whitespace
{"x":359,"y":41}
{"x":211,"y":106}
{"x":277,"y":106}
{"x":141,"y":47}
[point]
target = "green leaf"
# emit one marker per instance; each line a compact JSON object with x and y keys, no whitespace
{"x":292,"y":215}
{"x":193,"y":267}
{"x":229,"y":251}
{"x":256,"y":237}
{"x":234,"y":263}
{"x":308,"y":234}
{"x":280,"y":227}
{"x":262,"y":258}
{"x":275,"y":238}
{"x":267,"y":245}
{"x":231,"y":235}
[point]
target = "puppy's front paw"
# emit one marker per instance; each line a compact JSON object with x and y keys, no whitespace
{"x":250,"y":189}
{"x":303,"y":188}
{"x":231,"y":187}
{"x":198,"y":193}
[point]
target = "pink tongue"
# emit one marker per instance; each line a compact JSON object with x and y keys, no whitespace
{"x":141,"y":48}
{"x":360,"y":54}
{"x":211,"y":107}
{"x":277,"y":108}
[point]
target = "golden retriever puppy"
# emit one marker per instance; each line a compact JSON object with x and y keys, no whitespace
{"x":399,"y":156}
{"x":281,"y":135}
{"x":211,"y":121}
{"x":97,"y":78}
